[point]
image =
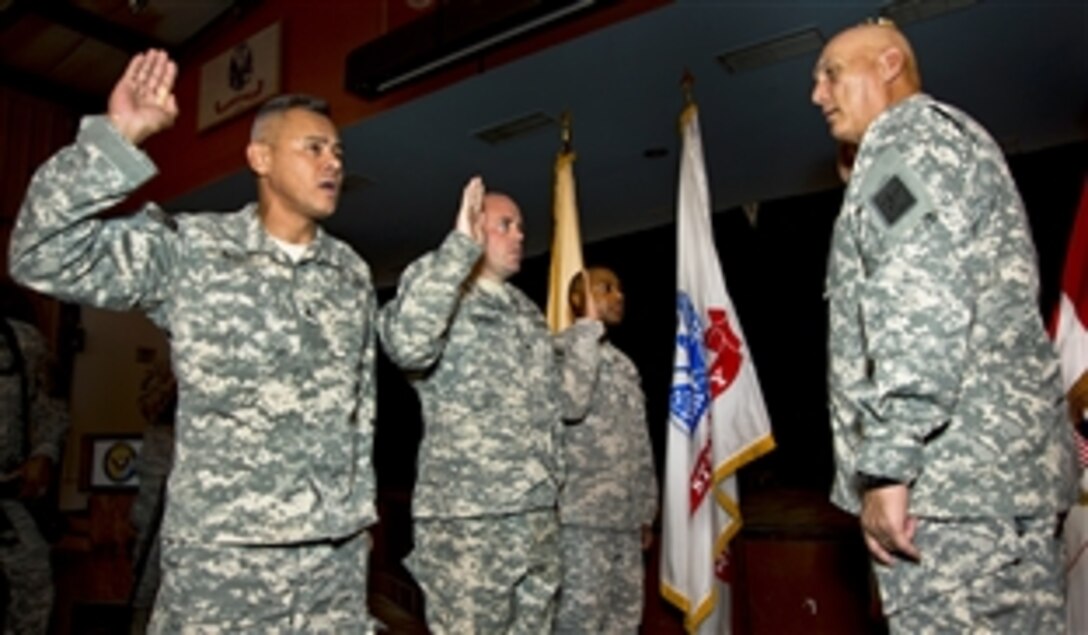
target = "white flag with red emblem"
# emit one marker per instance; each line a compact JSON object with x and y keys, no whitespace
{"x":1070,"y":329}
{"x":717,"y":419}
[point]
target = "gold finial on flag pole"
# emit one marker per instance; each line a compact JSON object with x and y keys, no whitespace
{"x":566,"y":131}
{"x":687,"y":82}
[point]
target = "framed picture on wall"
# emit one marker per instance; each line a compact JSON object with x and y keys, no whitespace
{"x":108,"y":462}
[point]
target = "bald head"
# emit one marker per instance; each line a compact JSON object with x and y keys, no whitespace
{"x":880,"y":39}
{"x":862,"y":72}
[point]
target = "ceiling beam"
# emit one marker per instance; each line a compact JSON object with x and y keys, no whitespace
{"x":45,"y":88}
{"x":91,"y":25}
{"x":233,"y":13}
{"x":10,"y":14}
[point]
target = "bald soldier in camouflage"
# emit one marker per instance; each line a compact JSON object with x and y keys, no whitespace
{"x":481,"y":358}
{"x":945,"y":394}
{"x":609,"y":500}
{"x":32,"y":430}
{"x":270,"y":324}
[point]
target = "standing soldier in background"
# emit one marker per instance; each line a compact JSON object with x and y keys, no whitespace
{"x":270,"y":322}
{"x":945,"y":393}
{"x":32,"y":430}
{"x":490,"y":463}
{"x":609,"y":500}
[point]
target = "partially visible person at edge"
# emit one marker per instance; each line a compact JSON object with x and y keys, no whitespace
{"x":945,"y":394}
{"x":270,"y":321}
{"x":33,"y":426}
{"x":158,"y":401}
{"x":479,"y":354}
{"x":609,"y":501}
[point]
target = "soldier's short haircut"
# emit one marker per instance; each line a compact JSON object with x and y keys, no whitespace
{"x":282,"y":103}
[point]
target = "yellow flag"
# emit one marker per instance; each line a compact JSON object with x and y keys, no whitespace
{"x":566,"y":244}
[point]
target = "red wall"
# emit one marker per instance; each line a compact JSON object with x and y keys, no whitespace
{"x":316,"y":37}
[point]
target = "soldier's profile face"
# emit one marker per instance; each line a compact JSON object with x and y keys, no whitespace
{"x":305,"y":171}
{"x":503,"y":236}
{"x":607,"y":295}
{"x":848,"y":86}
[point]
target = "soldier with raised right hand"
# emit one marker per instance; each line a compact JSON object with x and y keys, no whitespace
{"x":270,"y":321}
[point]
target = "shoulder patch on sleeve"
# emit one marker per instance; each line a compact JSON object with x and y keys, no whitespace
{"x":894,"y":199}
{"x":894,"y":193}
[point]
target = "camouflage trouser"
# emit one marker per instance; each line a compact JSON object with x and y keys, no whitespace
{"x":24,"y":564}
{"x":978,"y":576}
{"x":307,"y":588}
{"x":488,"y":575}
{"x":602,"y":581}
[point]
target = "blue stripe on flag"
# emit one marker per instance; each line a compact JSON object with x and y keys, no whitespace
{"x":689,"y":397}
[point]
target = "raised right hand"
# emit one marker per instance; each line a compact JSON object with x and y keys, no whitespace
{"x":470,"y":217}
{"x":143,"y":103}
{"x":591,"y":304}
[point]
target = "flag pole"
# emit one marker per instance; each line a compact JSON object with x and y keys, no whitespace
{"x":687,"y":84}
{"x":566,"y":237}
{"x":566,"y":132}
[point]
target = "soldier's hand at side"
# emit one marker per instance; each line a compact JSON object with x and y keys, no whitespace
{"x":143,"y":103}
{"x":1078,"y":399}
{"x":36,"y":473}
{"x":470,"y":217}
{"x":887,"y":524}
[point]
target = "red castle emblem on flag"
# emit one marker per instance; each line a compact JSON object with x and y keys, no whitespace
{"x":728,"y":357}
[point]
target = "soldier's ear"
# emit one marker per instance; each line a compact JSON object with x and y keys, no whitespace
{"x":259,"y":156}
{"x":891,"y":63}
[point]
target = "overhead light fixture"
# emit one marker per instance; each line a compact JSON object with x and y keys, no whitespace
{"x":454,"y":31}
{"x":906,"y":11}
{"x":772,"y":51}
{"x":514,"y":128}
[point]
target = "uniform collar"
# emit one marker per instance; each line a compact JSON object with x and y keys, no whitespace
{"x":248,"y":232}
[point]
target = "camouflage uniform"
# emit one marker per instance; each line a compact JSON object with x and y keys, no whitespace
{"x":24,"y":553}
{"x":941,"y":374}
{"x":274,"y":362}
{"x":490,"y":464}
{"x":610,"y":493}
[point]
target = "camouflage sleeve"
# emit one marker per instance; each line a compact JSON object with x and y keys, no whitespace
{"x":917,"y":309}
{"x":49,"y":419}
{"x":368,"y":393}
{"x":647,"y":475}
{"x":58,"y":248}
{"x":578,"y":355}
{"x":413,"y":325}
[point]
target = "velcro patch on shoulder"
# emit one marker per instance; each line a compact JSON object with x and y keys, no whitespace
{"x":894,"y":193}
{"x":894,"y":199}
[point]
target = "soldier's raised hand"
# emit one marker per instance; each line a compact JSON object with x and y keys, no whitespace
{"x":143,"y":103}
{"x":591,"y":304}
{"x":470,"y":217}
